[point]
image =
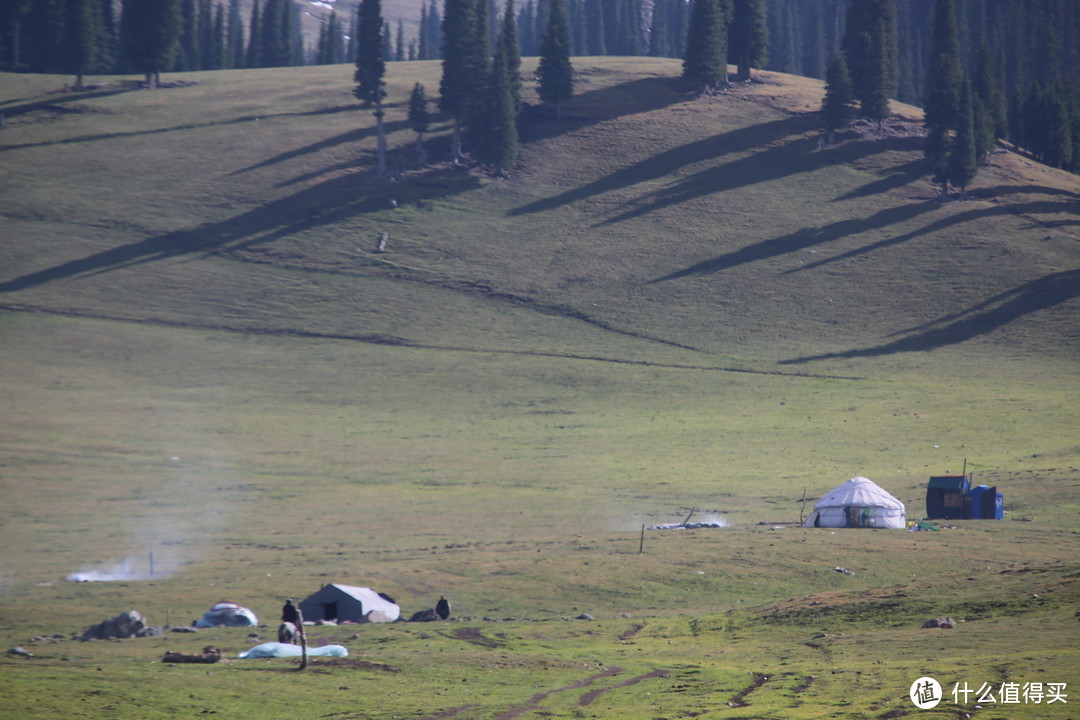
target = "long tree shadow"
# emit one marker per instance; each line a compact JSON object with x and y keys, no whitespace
{"x":1045,"y":206}
{"x":772,"y":163}
{"x":800,"y":240}
{"x":172,"y":128}
{"x":896,"y":177}
{"x":987,"y":316}
{"x":596,"y":106}
{"x":333,"y":201}
{"x":669,"y":161}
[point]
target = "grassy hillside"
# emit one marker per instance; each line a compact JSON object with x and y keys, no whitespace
{"x":676,"y":303}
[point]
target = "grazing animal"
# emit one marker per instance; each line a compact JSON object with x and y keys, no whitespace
{"x":286,"y":633}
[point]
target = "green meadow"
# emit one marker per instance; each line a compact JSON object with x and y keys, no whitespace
{"x":676,"y":305}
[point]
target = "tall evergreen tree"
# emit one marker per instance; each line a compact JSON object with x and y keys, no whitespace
{"x":943,"y":81}
{"x":370,"y":69}
{"x":151,"y":32}
{"x":500,"y":148}
{"x":962,"y":162}
{"x":837,"y":108}
{"x":748,"y":36}
{"x":255,"y":36}
{"x":399,"y":42}
{"x":705,"y":60}
{"x":870,"y":46}
{"x":464,"y":66}
{"x":235,"y":37}
{"x":82,"y":23}
{"x":510,"y":48}
{"x":188,"y":54}
{"x":419,"y":119}
{"x":555,"y":72}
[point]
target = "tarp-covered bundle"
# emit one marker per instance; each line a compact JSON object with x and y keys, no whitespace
{"x":858,"y":503}
{"x":280,"y":650}
{"x":348,"y":603}
{"x":228,"y":614}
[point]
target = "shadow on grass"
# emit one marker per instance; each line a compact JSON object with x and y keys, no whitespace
{"x":987,"y":316}
{"x":814,"y":237}
{"x":1047,"y":206}
{"x":595,"y":106}
{"x":174,"y":128}
{"x":669,"y":161}
{"x":800,"y":240}
{"x":28,"y":105}
{"x":327,"y":203}
{"x":773,"y":163}
{"x":895,"y":178}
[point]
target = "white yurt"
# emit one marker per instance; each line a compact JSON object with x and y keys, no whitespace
{"x":859,"y":502}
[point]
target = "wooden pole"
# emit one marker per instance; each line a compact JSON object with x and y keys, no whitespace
{"x":802,"y":510}
{"x":641,"y":544}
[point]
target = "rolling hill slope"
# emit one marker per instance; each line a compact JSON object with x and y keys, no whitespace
{"x":715,"y":224}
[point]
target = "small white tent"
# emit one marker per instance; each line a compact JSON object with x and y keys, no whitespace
{"x":857,"y":503}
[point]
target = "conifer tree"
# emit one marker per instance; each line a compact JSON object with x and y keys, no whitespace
{"x":499,"y":119}
{"x":254,"y":48}
{"x":399,"y":42}
{"x":82,"y":23}
{"x":748,"y":36}
{"x":510,"y":48}
{"x":943,"y":80}
{"x":207,"y":41}
{"x":870,"y":46}
{"x":387,"y":43}
{"x":235,"y":37}
{"x":837,"y":108}
{"x":370,"y":69}
{"x":962,"y":161}
{"x":464,"y":67}
{"x":555,"y":71}
{"x":419,"y":119}
{"x":151,"y":31}
{"x":705,"y":59}
{"x":187,"y":55}
{"x":594,"y":28}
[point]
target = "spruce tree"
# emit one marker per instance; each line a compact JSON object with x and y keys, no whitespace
{"x":370,"y":69}
{"x":509,"y":46}
{"x":254,"y":48}
{"x":962,"y":162}
{"x":748,"y":36}
{"x":399,"y":42}
{"x":837,"y":108}
{"x":555,"y":71}
{"x":464,"y":67}
{"x":705,"y":59}
{"x":943,"y":80}
{"x":419,"y":120}
{"x":83,"y":33}
{"x":188,"y":56}
{"x":235,"y":42}
{"x":151,"y":31}
{"x":499,"y":119}
{"x":870,"y":46}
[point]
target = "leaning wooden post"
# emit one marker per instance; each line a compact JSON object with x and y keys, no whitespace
{"x":641,"y":543}
{"x":303,"y":638}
